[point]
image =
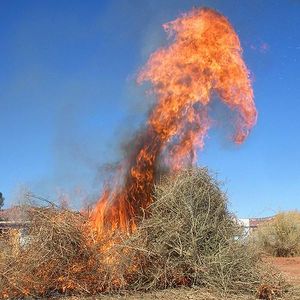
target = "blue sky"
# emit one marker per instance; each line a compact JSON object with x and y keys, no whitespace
{"x":68,"y":96}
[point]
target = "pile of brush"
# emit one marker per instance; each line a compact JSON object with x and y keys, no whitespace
{"x":55,"y":254}
{"x":189,"y":238}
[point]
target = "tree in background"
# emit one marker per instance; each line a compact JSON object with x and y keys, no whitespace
{"x":1,"y":200}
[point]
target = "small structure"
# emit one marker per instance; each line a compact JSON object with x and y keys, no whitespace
{"x":252,"y":224}
{"x":6,"y":225}
{"x":11,"y":219}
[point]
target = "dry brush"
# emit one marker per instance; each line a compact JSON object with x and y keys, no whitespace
{"x":189,"y":238}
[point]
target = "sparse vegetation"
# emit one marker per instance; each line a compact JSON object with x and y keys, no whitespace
{"x":280,"y":236}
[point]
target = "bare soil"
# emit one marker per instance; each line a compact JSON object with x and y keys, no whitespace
{"x":289,"y":266}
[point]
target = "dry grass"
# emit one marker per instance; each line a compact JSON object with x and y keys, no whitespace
{"x":190,"y":239}
{"x":179,"y":294}
{"x":57,"y":257}
{"x":280,"y":236}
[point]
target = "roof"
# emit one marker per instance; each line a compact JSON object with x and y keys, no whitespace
{"x":254,"y":222}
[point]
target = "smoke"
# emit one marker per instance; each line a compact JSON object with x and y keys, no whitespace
{"x":203,"y":58}
{"x":94,"y":118}
{"x":90,"y":137}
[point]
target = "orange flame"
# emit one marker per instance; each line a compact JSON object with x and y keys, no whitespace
{"x":205,"y":57}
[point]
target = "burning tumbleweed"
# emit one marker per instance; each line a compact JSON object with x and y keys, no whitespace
{"x":203,"y":59}
{"x":141,"y":235}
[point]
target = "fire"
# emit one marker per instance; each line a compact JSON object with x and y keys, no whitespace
{"x":204,"y":58}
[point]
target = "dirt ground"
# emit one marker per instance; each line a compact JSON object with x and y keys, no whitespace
{"x":290,"y":267}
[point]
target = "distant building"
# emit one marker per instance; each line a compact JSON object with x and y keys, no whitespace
{"x":252,"y":224}
{"x":11,"y":219}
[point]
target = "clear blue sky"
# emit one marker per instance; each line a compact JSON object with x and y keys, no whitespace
{"x":67,"y":95}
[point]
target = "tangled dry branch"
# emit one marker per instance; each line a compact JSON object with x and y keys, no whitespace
{"x":189,"y":238}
